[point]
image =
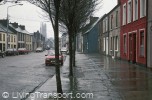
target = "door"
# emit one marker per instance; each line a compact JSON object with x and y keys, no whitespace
{"x":132,"y":48}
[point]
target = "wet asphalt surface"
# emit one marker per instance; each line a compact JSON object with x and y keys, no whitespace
{"x":23,"y":74}
{"x":110,"y":79}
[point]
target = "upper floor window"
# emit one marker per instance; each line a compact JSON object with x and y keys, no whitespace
{"x":129,"y":11}
{"x":106,"y":24}
{"x":124,"y":14}
{"x":135,"y":10}
{"x":3,"y":37}
{"x":0,"y":37}
{"x":116,"y":18}
{"x":142,"y":8}
{"x":111,"y":21}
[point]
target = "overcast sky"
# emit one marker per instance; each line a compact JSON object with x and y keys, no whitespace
{"x":31,"y":16}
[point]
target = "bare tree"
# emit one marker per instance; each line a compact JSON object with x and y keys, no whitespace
{"x":74,"y":14}
{"x":51,"y":7}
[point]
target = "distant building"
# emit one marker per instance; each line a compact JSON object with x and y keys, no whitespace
{"x":38,"y":40}
{"x":43,"y":30}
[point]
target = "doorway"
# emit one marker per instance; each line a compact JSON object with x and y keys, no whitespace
{"x":132,"y":48}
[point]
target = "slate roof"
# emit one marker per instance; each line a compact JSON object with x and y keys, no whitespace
{"x":19,"y":29}
{"x":4,"y":29}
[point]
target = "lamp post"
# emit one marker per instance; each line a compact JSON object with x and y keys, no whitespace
{"x":8,"y":21}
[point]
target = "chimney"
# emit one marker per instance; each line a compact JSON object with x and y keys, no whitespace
{"x":15,"y":25}
{"x":93,"y":19}
{"x":22,"y":27}
{"x":118,"y":1}
{"x":4,"y":22}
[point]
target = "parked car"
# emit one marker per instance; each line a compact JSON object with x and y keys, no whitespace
{"x":64,"y":50}
{"x":23,"y":51}
{"x":50,"y":58}
{"x":2,"y":53}
{"x":11,"y":51}
{"x":39,"y":49}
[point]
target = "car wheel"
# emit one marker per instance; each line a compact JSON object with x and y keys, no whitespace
{"x":46,"y":64}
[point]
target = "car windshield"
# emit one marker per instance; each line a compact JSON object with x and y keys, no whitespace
{"x":52,"y":53}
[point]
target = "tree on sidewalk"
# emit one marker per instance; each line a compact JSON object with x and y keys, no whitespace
{"x":75,"y":15}
{"x":51,"y":7}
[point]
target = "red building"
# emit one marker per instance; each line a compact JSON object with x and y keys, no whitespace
{"x":133,"y":31}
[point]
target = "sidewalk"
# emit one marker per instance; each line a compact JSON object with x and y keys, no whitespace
{"x":104,"y":78}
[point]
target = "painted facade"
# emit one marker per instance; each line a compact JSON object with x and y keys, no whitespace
{"x":90,"y":39}
{"x":133,"y":31}
{"x":114,"y":32}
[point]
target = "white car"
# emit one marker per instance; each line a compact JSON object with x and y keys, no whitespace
{"x":39,"y":49}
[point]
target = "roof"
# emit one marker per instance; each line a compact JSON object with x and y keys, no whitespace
{"x":19,"y":29}
{"x":4,"y":29}
{"x":91,"y":25}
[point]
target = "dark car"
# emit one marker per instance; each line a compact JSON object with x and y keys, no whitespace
{"x":12,"y":51}
{"x":50,"y":58}
{"x":23,"y":51}
{"x":2,"y":53}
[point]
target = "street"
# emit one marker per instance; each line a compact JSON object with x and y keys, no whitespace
{"x":23,"y":73}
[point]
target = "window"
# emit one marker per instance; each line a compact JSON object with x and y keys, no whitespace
{"x":111,"y":21}
{"x":0,"y":37}
{"x":14,"y":39}
{"x":116,"y":18}
{"x":8,"y":38}
{"x":125,"y":44}
{"x":124,"y":14}
{"x":11,"y":38}
{"x":111,"y":43}
{"x":129,"y":11}
{"x":104,"y":46}
{"x":135,"y":10}
{"x":142,"y":8}
{"x":3,"y":37}
{"x":142,"y":43}
{"x":116,"y":43}
{"x":106,"y":24}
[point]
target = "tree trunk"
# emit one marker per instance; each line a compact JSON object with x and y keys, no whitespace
{"x":56,"y":35}
{"x":71,"y":55}
{"x":74,"y":50}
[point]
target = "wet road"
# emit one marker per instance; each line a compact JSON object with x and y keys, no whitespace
{"x":23,"y":74}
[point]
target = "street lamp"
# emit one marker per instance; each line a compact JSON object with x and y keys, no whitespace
{"x":8,"y":20}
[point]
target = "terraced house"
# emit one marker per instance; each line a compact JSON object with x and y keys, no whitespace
{"x":3,"y":39}
{"x":114,"y":32}
{"x":133,"y":31}
{"x":24,"y":39}
{"x":11,"y":41}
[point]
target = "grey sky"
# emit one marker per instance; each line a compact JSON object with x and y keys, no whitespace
{"x":30,"y":15}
